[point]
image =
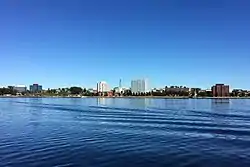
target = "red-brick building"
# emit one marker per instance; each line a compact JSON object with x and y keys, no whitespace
{"x":220,"y":90}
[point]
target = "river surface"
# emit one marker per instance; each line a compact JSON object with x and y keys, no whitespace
{"x":124,"y":132}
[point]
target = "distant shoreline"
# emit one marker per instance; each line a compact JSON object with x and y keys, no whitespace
{"x":148,"y":97}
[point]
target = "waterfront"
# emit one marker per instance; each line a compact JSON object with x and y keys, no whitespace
{"x":125,"y":132}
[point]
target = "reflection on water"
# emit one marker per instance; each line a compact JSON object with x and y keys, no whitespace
{"x":126,"y":102}
{"x":222,"y":100}
{"x":140,"y":102}
{"x":111,"y":132}
{"x":220,"y":104}
{"x":101,"y":101}
{"x":34,"y":100}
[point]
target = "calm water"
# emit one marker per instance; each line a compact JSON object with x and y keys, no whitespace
{"x":124,"y":132}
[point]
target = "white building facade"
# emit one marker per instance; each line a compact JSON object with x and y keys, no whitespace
{"x":102,"y":87}
{"x":140,"y":86}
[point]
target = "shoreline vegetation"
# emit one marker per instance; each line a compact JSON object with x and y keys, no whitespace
{"x":78,"y":92}
{"x":153,"y":97}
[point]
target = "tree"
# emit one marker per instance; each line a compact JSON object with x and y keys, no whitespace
{"x":127,"y":93}
{"x":232,"y":94}
{"x":243,"y":94}
{"x":209,"y":94}
{"x":75,"y":90}
{"x":53,"y":91}
{"x":8,"y":90}
{"x":202,"y":94}
{"x":84,"y":90}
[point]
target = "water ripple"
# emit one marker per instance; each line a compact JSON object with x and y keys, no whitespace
{"x":124,"y":132}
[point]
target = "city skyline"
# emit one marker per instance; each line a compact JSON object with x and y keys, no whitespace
{"x":136,"y":86}
{"x":103,"y":86}
{"x":193,"y":43}
{"x":139,"y":87}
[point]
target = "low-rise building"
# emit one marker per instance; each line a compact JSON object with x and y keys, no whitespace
{"x":91,"y":90}
{"x":20,"y":88}
{"x":110,"y":93}
{"x":117,"y":90}
{"x":159,"y":90}
{"x":240,"y":92}
{"x":176,"y":89}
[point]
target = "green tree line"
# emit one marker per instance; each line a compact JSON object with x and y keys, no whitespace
{"x":9,"y":90}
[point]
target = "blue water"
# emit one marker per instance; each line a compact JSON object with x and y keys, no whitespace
{"x":99,"y":132}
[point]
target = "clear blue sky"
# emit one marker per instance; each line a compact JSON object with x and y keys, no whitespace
{"x":79,"y":42}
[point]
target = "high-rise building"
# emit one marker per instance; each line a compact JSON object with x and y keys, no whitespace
{"x":36,"y":88}
{"x":220,"y":90}
{"x":40,"y":88}
{"x":102,"y":87}
{"x":140,"y":86}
